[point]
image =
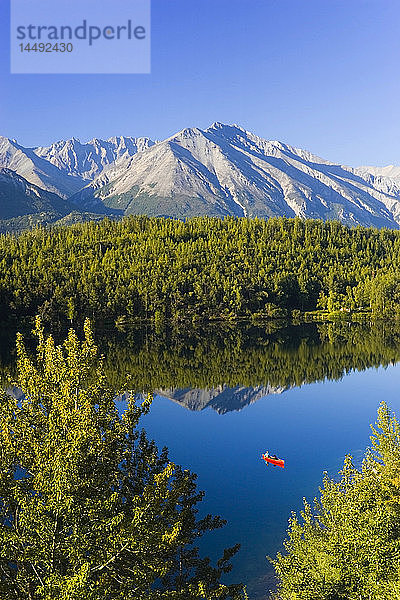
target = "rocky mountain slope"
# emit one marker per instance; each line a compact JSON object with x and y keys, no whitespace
{"x":391,"y":171}
{"x":37,"y":170}
{"x":222,"y":170}
{"x":89,"y":159}
{"x":227,"y":170}
{"x":23,"y":204}
{"x":18,"y":197}
{"x":386,"y":180}
{"x":67,"y":166}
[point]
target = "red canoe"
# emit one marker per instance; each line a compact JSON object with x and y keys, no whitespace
{"x":274,"y":461}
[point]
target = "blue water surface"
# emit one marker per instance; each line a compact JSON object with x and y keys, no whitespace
{"x":312,"y":427}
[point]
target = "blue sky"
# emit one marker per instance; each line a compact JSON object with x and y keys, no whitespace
{"x":319,"y":74}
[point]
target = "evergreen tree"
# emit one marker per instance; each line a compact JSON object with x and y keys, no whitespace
{"x":89,"y":509}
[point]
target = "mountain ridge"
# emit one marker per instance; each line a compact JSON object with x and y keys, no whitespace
{"x":221,"y":170}
{"x":88,"y":159}
{"x":25,"y":205}
{"x":226,"y":170}
{"x":20,"y":197}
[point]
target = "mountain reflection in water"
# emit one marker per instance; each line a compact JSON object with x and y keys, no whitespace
{"x":227,"y":368}
{"x":222,"y":399}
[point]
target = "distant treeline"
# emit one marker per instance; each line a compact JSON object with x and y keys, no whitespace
{"x":245,"y":355}
{"x":204,"y":268}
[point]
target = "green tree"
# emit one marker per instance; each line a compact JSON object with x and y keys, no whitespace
{"x":89,"y":508}
{"x":346,"y":546}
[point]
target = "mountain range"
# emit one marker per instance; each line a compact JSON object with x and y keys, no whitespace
{"x":222,"y":170}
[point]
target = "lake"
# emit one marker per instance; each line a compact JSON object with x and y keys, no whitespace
{"x":224,"y":395}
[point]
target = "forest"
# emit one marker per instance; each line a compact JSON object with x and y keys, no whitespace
{"x":163,"y":270}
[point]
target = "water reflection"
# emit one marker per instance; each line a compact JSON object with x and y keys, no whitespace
{"x":222,"y":398}
{"x":228,"y":368}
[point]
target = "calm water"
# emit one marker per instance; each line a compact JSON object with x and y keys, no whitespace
{"x":312,"y":426}
{"x":225,"y":395}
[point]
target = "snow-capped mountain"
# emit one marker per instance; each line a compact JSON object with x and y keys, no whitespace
{"x":66,"y":166}
{"x":89,"y":159}
{"x":222,"y":170}
{"x":387,"y":180}
{"x":38,"y":171}
{"x":390,"y":171}
{"x":226,"y":170}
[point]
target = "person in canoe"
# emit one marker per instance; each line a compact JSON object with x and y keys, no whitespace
{"x":273,"y":459}
{"x":268,"y":455}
